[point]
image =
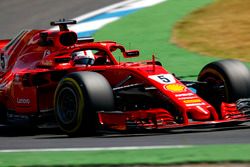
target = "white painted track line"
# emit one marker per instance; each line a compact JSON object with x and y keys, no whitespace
{"x":96,"y":149}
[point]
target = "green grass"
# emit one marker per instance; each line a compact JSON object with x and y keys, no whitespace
{"x":150,"y":29}
{"x":196,"y":154}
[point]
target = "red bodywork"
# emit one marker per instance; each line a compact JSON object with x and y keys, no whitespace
{"x":32,"y":68}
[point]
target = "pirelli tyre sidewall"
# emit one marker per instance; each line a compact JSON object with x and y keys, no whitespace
{"x":232,"y":75}
{"x":78,"y":97}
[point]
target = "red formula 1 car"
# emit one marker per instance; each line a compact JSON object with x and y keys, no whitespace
{"x":85,"y":86}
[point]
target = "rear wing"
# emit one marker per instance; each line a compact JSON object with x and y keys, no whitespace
{"x":4,"y":42}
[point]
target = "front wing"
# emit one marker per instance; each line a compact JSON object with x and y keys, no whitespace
{"x":156,"y":119}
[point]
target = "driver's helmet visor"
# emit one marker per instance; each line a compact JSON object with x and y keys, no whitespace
{"x":83,"y":57}
{"x":83,"y":60}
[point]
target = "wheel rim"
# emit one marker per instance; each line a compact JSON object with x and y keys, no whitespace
{"x":67,"y":105}
{"x":218,"y":89}
{"x":217,"y":85}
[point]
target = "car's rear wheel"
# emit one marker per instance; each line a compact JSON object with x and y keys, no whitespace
{"x":3,"y":113}
{"x":227,"y":81}
{"x":78,"y":97}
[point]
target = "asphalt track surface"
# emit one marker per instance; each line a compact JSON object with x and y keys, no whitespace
{"x":16,"y":15}
{"x":23,"y":14}
{"x":23,"y":138}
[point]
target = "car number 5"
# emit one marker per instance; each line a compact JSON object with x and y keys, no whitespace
{"x":163,"y":79}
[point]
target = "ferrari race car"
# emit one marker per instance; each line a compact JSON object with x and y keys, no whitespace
{"x":79,"y":82}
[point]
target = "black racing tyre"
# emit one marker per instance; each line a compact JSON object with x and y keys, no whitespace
{"x":77,"y":98}
{"x":3,"y":113}
{"x":227,"y":81}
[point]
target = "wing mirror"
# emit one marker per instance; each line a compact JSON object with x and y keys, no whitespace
{"x":131,"y":53}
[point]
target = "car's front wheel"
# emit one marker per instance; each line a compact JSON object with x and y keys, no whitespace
{"x":78,"y":97}
{"x":226,"y":81}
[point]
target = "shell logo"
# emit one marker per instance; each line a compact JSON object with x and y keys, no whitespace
{"x":175,"y":87}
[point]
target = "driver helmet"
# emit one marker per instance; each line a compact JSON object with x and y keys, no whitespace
{"x":84,"y":57}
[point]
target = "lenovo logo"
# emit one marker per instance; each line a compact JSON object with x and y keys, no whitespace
{"x":23,"y":101}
